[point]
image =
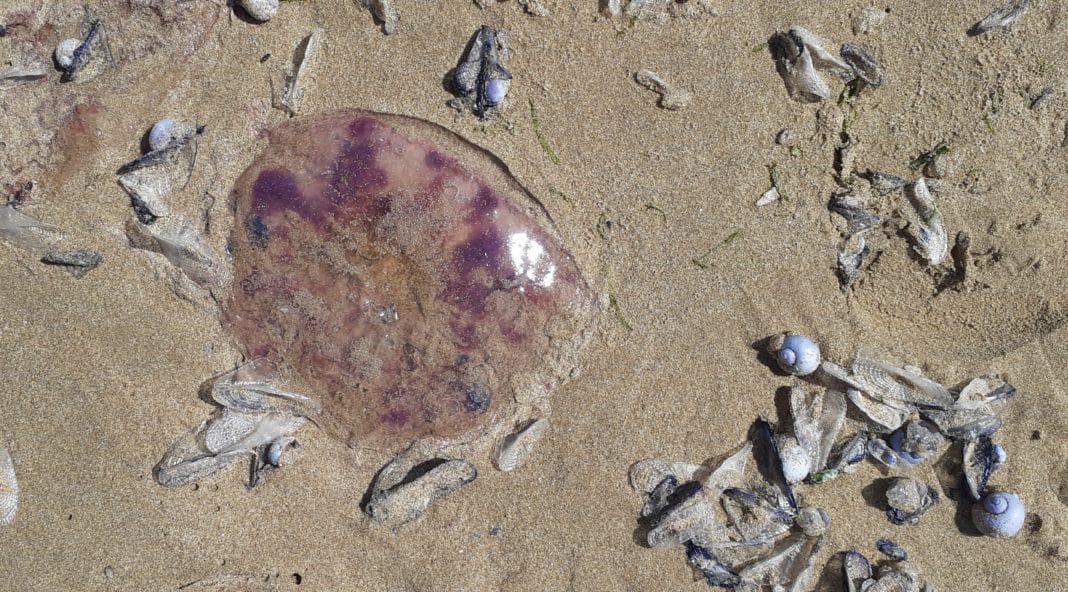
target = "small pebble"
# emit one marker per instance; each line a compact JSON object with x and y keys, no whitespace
{"x":161,"y":134}
{"x":783,"y":137}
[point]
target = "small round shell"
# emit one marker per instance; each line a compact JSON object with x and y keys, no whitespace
{"x":161,"y":134}
{"x":795,"y":353}
{"x":796,"y":462}
{"x":496,"y":89}
{"x":65,"y":52}
{"x":999,"y":514}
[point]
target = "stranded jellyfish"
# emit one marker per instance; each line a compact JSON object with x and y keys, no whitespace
{"x":403,"y":280}
{"x":402,"y":274}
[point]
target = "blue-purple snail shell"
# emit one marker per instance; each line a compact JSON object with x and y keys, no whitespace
{"x":496,"y":89}
{"x":795,"y":353}
{"x":999,"y":514}
{"x":161,"y":134}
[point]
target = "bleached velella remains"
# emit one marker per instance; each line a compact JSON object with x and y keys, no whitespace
{"x":350,"y":214}
{"x":9,"y":489}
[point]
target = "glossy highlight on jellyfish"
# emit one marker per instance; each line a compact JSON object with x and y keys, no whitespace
{"x":403,"y":276}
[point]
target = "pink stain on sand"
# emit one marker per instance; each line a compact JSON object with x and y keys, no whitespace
{"x":401,"y":274}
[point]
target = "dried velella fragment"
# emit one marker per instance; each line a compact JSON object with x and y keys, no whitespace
{"x":868,"y":71}
{"x":868,"y":20}
{"x":975,"y":411}
{"x":23,"y":231}
{"x":671,"y":98}
{"x":292,"y":88}
{"x":9,"y":489}
{"x":385,"y":12}
{"x":891,"y":549}
{"x":481,"y":81}
{"x":916,"y":441}
{"x":77,"y":262}
{"x":926,"y":228}
{"x":179,"y":241}
{"x":20,"y":74}
{"x":851,"y":254}
{"x":167,"y":167}
{"x":406,"y":487}
{"x":856,"y":570}
{"x":514,"y":448}
{"x":981,"y":458}
{"x":1001,"y":18}
{"x":909,"y":498}
{"x":404,"y":279}
{"x":882,"y":182}
{"x":87,"y":57}
{"x":253,"y":416}
{"x":797,"y":54}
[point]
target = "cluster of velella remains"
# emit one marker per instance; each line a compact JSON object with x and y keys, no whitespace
{"x":395,"y":273}
{"x":745,"y":529}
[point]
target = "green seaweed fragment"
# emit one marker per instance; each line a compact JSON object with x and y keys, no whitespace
{"x":653,"y":207}
{"x":922,"y":160}
{"x":553,"y":157}
{"x":567,"y":199}
{"x":704,"y":261}
{"x":613,"y":305}
{"x":773,"y":177}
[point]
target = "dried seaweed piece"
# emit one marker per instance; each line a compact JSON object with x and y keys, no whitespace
{"x":1001,"y":18}
{"x":671,"y":98}
{"x":77,"y":261}
{"x":292,"y":92}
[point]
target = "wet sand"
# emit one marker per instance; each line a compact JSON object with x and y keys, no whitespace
{"x":102,"y":372}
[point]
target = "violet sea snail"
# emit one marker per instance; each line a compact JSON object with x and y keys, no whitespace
{"x":795,"y":353}
{"x":998,"y":514}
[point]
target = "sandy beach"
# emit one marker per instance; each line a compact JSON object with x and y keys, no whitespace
{"x":101,"y":372}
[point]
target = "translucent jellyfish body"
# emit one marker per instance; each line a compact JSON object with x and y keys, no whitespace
{"x":404,"y":278}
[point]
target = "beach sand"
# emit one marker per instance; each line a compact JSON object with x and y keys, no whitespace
{"x":101,"y":373}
